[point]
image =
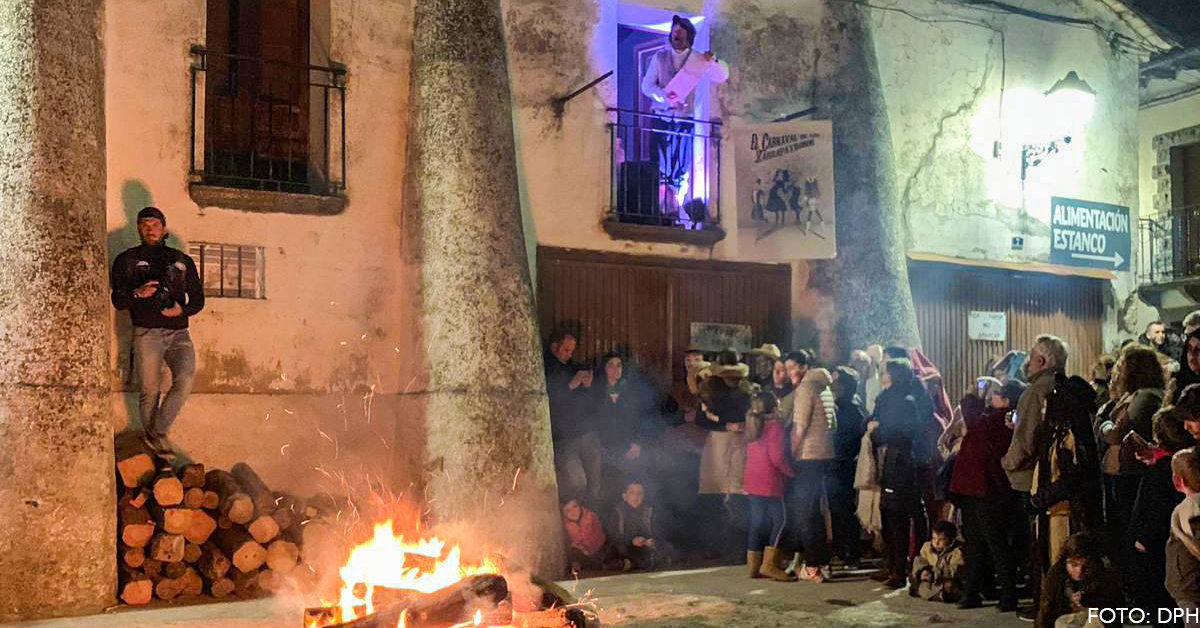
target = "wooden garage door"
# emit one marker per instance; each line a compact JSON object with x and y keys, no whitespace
{"x":643,"y":307}
{"x":1071,"y":308}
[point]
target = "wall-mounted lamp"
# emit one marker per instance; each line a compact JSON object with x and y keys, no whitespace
{"x":1071,"y":101}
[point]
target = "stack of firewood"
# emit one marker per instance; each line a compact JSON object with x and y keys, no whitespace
{"x":184,"y":531}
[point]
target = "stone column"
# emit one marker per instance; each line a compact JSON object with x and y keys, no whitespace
{"x":871,"y":282}
{"x":487,"y":418}
{"x":57,"y":505}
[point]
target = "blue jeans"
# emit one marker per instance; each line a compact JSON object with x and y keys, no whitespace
{"x":152,"y":348}
{"x":767,"y":519}
{"x":804,"y":500}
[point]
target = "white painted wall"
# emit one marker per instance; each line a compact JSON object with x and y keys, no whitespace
{"x":285,"y":383}
{"x":1154,"y":121}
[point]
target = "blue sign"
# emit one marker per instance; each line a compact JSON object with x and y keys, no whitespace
{"x":1084,"y":233}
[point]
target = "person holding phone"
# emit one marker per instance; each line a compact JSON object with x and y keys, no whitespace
{"x":577,"y":448}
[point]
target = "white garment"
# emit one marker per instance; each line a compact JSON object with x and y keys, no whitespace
{"x":662,"y":68}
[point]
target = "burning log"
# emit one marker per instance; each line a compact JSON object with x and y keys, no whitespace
{"x":135,"y":460}
{"x":242,"y":550}
{"x":450,"y":605}
{"x":233,"y":503}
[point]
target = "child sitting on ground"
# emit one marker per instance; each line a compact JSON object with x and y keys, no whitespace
{"x":1183,"y":545}
{"x":939,"y":568}
{"x":633,"y":533}
{"x":1079,"y":581}
{"x":586,"y":542}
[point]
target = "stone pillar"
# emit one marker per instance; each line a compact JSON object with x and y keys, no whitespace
{"x":57,"y":504}
{"x":871,"y":282}
{"x":487,"y":418}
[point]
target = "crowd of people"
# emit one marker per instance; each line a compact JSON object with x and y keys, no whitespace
{"x":1074,"y":492}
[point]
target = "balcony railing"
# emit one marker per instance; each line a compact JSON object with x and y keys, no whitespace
{"x":1170,"y":246}
{"x":267,"y":125}
{"x":637,"y":192}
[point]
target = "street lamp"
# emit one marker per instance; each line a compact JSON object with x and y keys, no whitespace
{"x":1071,"y":101}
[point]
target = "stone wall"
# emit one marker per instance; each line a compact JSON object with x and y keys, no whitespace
{"x":942,"y":83}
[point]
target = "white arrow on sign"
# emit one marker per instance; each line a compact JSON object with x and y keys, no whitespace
{"x":1115,"y":259}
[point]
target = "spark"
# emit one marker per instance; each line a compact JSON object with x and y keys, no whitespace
{"x":362,"y":337}
{"x":515,"y":476}
{"x":268,"y":417}
{"x":343,"y":343}
{"x":288,"y":411}
{"x":325,"y":435}
{"x":283,"y":376}
{"x":283,"y":450}
{"x":397,"y":349}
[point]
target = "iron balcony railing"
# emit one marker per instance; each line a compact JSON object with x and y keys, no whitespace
{"x":267,"y":125}
{"x":1170,"y":246}
{"x":637,"y":190}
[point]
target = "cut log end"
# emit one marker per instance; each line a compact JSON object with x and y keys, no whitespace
{"x":263,"y":529}
{"x":137,"y":592}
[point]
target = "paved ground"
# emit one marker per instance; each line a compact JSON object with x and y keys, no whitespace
{"x":704,"y":598}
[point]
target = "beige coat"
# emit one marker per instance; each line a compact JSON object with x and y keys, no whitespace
{"x":814,"y":418}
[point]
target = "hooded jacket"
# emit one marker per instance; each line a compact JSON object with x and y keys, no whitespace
{"x":814,"y":418}
{"x":1183,"y":552}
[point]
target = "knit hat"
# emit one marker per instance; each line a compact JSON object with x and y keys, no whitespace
{"x":152,"y":212}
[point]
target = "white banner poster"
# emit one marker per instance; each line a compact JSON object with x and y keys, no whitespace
{"x":785,"y":190}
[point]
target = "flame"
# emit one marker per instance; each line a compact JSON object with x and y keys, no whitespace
{"x":383,"y":562}
{"x":478,"y":619}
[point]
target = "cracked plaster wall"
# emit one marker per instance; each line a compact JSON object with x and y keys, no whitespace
{"x":283,"y":383}
{"x":942,"y":84}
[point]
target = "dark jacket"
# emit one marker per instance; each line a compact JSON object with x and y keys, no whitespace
{"x":977,"y":471}
{"x":622,"y":421}
{"x":1068,"y":468}
{"x":1100,"y":589}
{"x":628,"y":523}
{"x":1150,"y":523}
{"x":176,"y":273}
{"x":568,"y":408}
{"x":897,"y":414}
{"x":727,"y":397}
{"x":851,"y":423}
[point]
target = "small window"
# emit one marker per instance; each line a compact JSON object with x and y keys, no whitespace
{"x":230,"y":270}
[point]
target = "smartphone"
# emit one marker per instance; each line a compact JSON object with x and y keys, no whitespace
{"x":1012,"y":417}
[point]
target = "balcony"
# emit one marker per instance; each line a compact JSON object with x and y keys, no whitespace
{"x":267,"y":135}
{"x":639,"y":206}
{"x":1168,"y":269}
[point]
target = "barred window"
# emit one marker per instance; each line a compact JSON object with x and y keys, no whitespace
{"x":230,"y":270}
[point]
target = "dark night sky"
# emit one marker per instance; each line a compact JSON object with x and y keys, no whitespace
{"x":1178,"y":18}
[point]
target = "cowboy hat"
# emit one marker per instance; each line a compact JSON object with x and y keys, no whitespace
{"x":768,"y":349}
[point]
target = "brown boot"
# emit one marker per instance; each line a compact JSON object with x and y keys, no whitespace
{"x":770,"y":568}
{"x":754,"y":560}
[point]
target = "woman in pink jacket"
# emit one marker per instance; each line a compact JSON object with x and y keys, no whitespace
{"x":766,"y":472}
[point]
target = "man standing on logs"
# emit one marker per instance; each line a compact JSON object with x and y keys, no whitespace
{"x":161,"y":289}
